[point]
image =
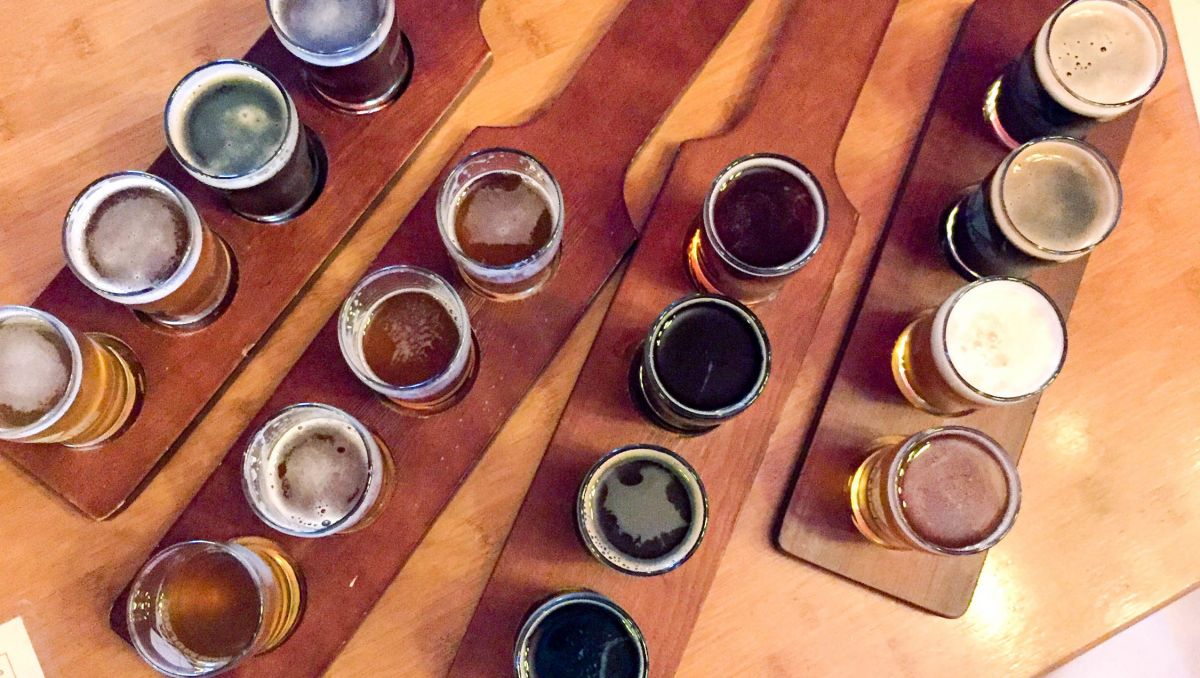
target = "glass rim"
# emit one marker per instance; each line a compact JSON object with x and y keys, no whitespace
{"x":1001,"y":180}
{"x":651,"y":369}
{"x":994,"y":449}
{"x":465,"y":340}
{"x":575,"y":597}
{"x":371,"y":447}
{"x":556,"y":228}
{"x":1156,"y":29}
{"x":74,"y":380}
{"x":338,"y":57}
{"x":292,"y":121}
{"x":798,"y":170}
{"x":75,"y":221}
{"x":953,"y":300}
{"x":695,"y":534}
{"x":229,"y":548}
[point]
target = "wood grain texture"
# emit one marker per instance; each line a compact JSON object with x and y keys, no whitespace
{"x":543,"y":554}
{"x":586,"y":139}
{"x":1110,"y":512}
{"x":957,"y":149}
{"x":184,"y":369}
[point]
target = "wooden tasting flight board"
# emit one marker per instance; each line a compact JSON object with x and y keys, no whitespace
{"x":802,"y":108}
{"x":185,"y":369}
{"x":956,"y":149}
{"x":587,"y":138}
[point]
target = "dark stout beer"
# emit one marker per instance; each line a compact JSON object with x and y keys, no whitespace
{"x":580,"y":635}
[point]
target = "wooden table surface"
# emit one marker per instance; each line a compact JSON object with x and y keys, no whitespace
{"x":1109,"y":519}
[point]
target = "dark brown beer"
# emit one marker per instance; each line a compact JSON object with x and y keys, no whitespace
{"x":502,"y":219}
{"x":765,"y":217}
{"x":410,"y":338}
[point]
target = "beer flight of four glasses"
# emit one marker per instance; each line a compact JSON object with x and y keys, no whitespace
{"x":315,"y":471}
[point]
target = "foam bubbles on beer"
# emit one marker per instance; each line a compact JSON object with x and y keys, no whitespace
{"x":318,"y":472}
{"x":1005,"y":339}
{"x":34,"y":372}
{"x":331,"y":26}
{"x":1104,"y":51}
{"x":135,"y":240}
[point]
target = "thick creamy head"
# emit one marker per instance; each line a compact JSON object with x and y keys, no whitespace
{"x":1057,"y":199}
{"x":998,"y":339}
{"x":132,"y":238}
{"x":39,"y":361}
{"x":1100,"y":56}
{"x":332,"y":32}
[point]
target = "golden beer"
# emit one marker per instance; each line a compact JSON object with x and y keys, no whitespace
{"x":60,"y":386}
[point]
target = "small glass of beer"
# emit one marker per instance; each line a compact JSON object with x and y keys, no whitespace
{"x":995,"y":341}
{"x":948,"y":491}
{"x":405,"y":333}
{"x":233,"y":127}
{"x":199,"y":607}
{"x":1051,"y":200}
{"x":500,"y":213}
{"x":1092,"y":61}
{"x":61,"y":386}
{"x":354,"y":52}
{"x":580,"y":633}
{"x":763,"y":220}
{"x":704,"y":361}
{"x":314,"y":470}
{"x":642,"y":510}
{"x":133,"y":238}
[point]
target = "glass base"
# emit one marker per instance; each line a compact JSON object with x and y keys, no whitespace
{"x":289,"y":580}
{"x":992,"y":115}
{"x":135,"y":383}
{"x":950,"y":250}
{"x":900,"y":374}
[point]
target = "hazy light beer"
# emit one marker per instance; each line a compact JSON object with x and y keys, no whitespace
{"x":1092,"y":61}
{"x":948,"y":491}
{"x":577,"y":634}
{"x":762,"y":221}
{"x":995,"y":341}
{"x":233,"y":127}
{"x":500,"y":214}
{"x":1051,"y":200}
{"x":405,"y":333}
{"x":61,"y":386}
{"x":354,"y":51}
{"x":199,"y":607}
{"x":133,"y":238}
{"x":704,"y":361}
{"x":642,"y":510}
{"x":314,"y":470}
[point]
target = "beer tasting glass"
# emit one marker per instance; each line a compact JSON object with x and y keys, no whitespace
{"x":199,"y":608}
{"x":580,"y":633}
{"x":133,"y":238}
{"x":233,"y":127}
{"x":704,"y":361}
{"x":62,"y":386}
{"x":642,"y":510}
{"x":314,"y":470}
{"x":948,"y":491}
{"x":1051,"y":200}
{"x":1092,"y":61}
{"x":763,"y":220}
{"x":405,"y":333}
{"x":995,"y":341}
{"x":354,"y":52}
{"x":500,"y":214}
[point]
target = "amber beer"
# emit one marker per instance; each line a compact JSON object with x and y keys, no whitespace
{"x":405,"y":333}
{"x":233,"y":127}
{"x":61,"y":386}
{"x":996,"y":341}
{"x":763,"y":220}
{"x":947,"y":491}
{"x":133,"y":238}
{"x":200,"y":607}
{"x":1092,"y":61}
{"x":313,"y":470}
{"x":354,"y":51}
{"x":500,"y":214}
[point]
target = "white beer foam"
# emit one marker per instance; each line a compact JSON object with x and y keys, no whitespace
{"x":1047,"y":189}
{"x":494,"y":217}
{"x":1001,"y":337}
{"x":332,"y":32}
{"x":132,"y":241}
{"x":321,"y":479}
{"x":1099,"y":59}
{"x":32,"y":374}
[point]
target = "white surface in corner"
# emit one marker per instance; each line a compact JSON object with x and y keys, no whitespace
{"x":17,"y":659}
